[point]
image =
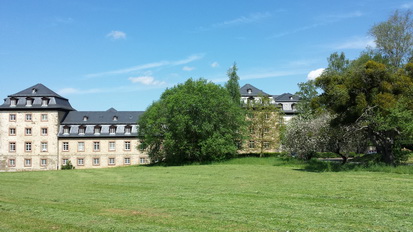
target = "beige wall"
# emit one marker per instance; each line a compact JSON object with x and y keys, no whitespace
{"x":36,"y":138}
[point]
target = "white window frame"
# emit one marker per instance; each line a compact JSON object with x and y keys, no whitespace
{"x":96,"y":146}
{"x":44,"y":146}
{"x":65,"y":146}
{"x":80,"y":146}
{"x":110,"y":161}
{"x":112,"y":146}
{"x":127,"y":146}
{"x":28,"y":146}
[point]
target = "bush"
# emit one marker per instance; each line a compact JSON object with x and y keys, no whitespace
{"x":68,"y":166}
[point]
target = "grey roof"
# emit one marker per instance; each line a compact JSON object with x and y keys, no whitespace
{"x":286,"y":97}
{"x":109,"y":117}
{"x":253,"y":91}
{"x":37,"y":90}
{"x":37,"y":93}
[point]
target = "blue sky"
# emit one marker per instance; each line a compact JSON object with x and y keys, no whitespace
{"x":124,"y":54}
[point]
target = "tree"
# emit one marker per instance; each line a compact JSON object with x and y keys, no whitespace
{"x":192,"y":122}
{"x":306,"y":94}
{"x":394,"y":37}
{"x":264,"y":120}
{"x":373,"y":97}
{"x":232,"y":85}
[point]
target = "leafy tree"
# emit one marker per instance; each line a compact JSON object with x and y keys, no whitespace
{"x":394,"y":37}
{"x":192,"y":122}
{"x":374,"y":97}
{"x":264,"y":120}
{"x":306,"y":94}
{"x":232,"y":85}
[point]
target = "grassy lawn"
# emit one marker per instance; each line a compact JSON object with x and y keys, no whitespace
{"x":264,"y":195}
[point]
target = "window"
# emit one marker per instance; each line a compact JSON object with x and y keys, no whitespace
{"x":81,"y":130}
{"x":12,"y":163}
{"x":96,"y":146}
{"x":111,"y":161}
{"x":80,"y":162}
{"x":115,"y":118}
{"x":27,"y":162}
{"x":66,"y":130}
{"x":43,"y":162}
{"x":127,"y":160}
{"x":28,"y":131}
{"x":251,"y":144}
{"x":65,"y":146}
{"x":28,"y":117}
{"x":12,"y":146}
{"x":85,"y":118}
{"x":267,"y":145}
{"x":12,"y":131}
{"x":12,"y":117}
{"x":44,"y":131}
{"x":128,"y":129}
{"x":45,"y":101}
{"x":28,"y":146}
{"x":127,"y":145}
{"x":249,"y":91}
{"x":81,"y":146}
{"x":44,"y":146}
{"x":65,"y":161}
{"x":44,"y":117}
{"x":29,"y":101}
{"x":142,"y":160}
{"x":112,"y":146}
{"x":97,"y":129}
{"x":112,"y":130}
{"x":13,"y":102}
{"x":96,"y":161}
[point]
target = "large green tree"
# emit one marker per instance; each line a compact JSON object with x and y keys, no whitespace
{"x":232,"y":85}
{"x":374,"y":97}
{"x":394,"y":37}
{"x":192,"y":122}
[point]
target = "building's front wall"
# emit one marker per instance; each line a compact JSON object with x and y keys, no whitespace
{"x":86,"y":156}
{"x":34,"y":135}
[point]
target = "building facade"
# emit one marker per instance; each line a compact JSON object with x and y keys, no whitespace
{"x":39,"y":130}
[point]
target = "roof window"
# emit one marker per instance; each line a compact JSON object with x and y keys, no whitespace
{"x":85,"y":118}
{"x":249,"y":91}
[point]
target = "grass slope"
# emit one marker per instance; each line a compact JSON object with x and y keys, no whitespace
{"x":234,"y":196}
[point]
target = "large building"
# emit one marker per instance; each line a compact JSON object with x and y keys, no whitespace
{"x":40,"y":130}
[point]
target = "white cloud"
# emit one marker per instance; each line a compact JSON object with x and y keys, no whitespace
{"x":116,"y":35}
{"x":356,"y":43}
{"x":407,"y":5}
{"x":215,"y":64}
{"x":315,"y":73}
{"x":146,"y":80}
{"x":147,"y":66}
{"x":187,"y":68}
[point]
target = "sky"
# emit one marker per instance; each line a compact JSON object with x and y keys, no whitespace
{"x":124,"y":54}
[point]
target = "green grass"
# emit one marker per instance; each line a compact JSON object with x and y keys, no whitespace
{"x":249,"y":194}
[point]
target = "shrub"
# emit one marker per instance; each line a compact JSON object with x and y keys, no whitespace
{"x":68,"y":166}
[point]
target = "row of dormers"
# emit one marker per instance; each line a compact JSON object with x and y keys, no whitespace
{"x":28,"y":101}
{"x":96,"y":130}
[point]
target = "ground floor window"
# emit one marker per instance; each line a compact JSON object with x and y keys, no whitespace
{"x":64,"y":161}
{"x":12,"y":163}
{"x":43,"y":162}
{"x":96,"y":161}
{"x":27,"y":162}
{"x":80,"y":162}
{"x":142,"y":160}
{"x":127,"y":160}
{"x":251,"y":144}
{"x":266,"y":145}
{"x":111,"y":161}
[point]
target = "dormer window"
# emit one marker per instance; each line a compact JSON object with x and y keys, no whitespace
{"x":34,"y":90}
{"x":128,"y":129}
{"x":249,"y":91}
{"x":112,"y":130}
{"x":29,"y":102}
{"x":85,"y":118}
{"x":291,"y":98}
{"x":81,"y":130}
{"x":97,"y":129}
{"x":13,"y":102}
{"x":115,"y":118}
{"x":45,"y":101}
{"x":66,"y":130}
